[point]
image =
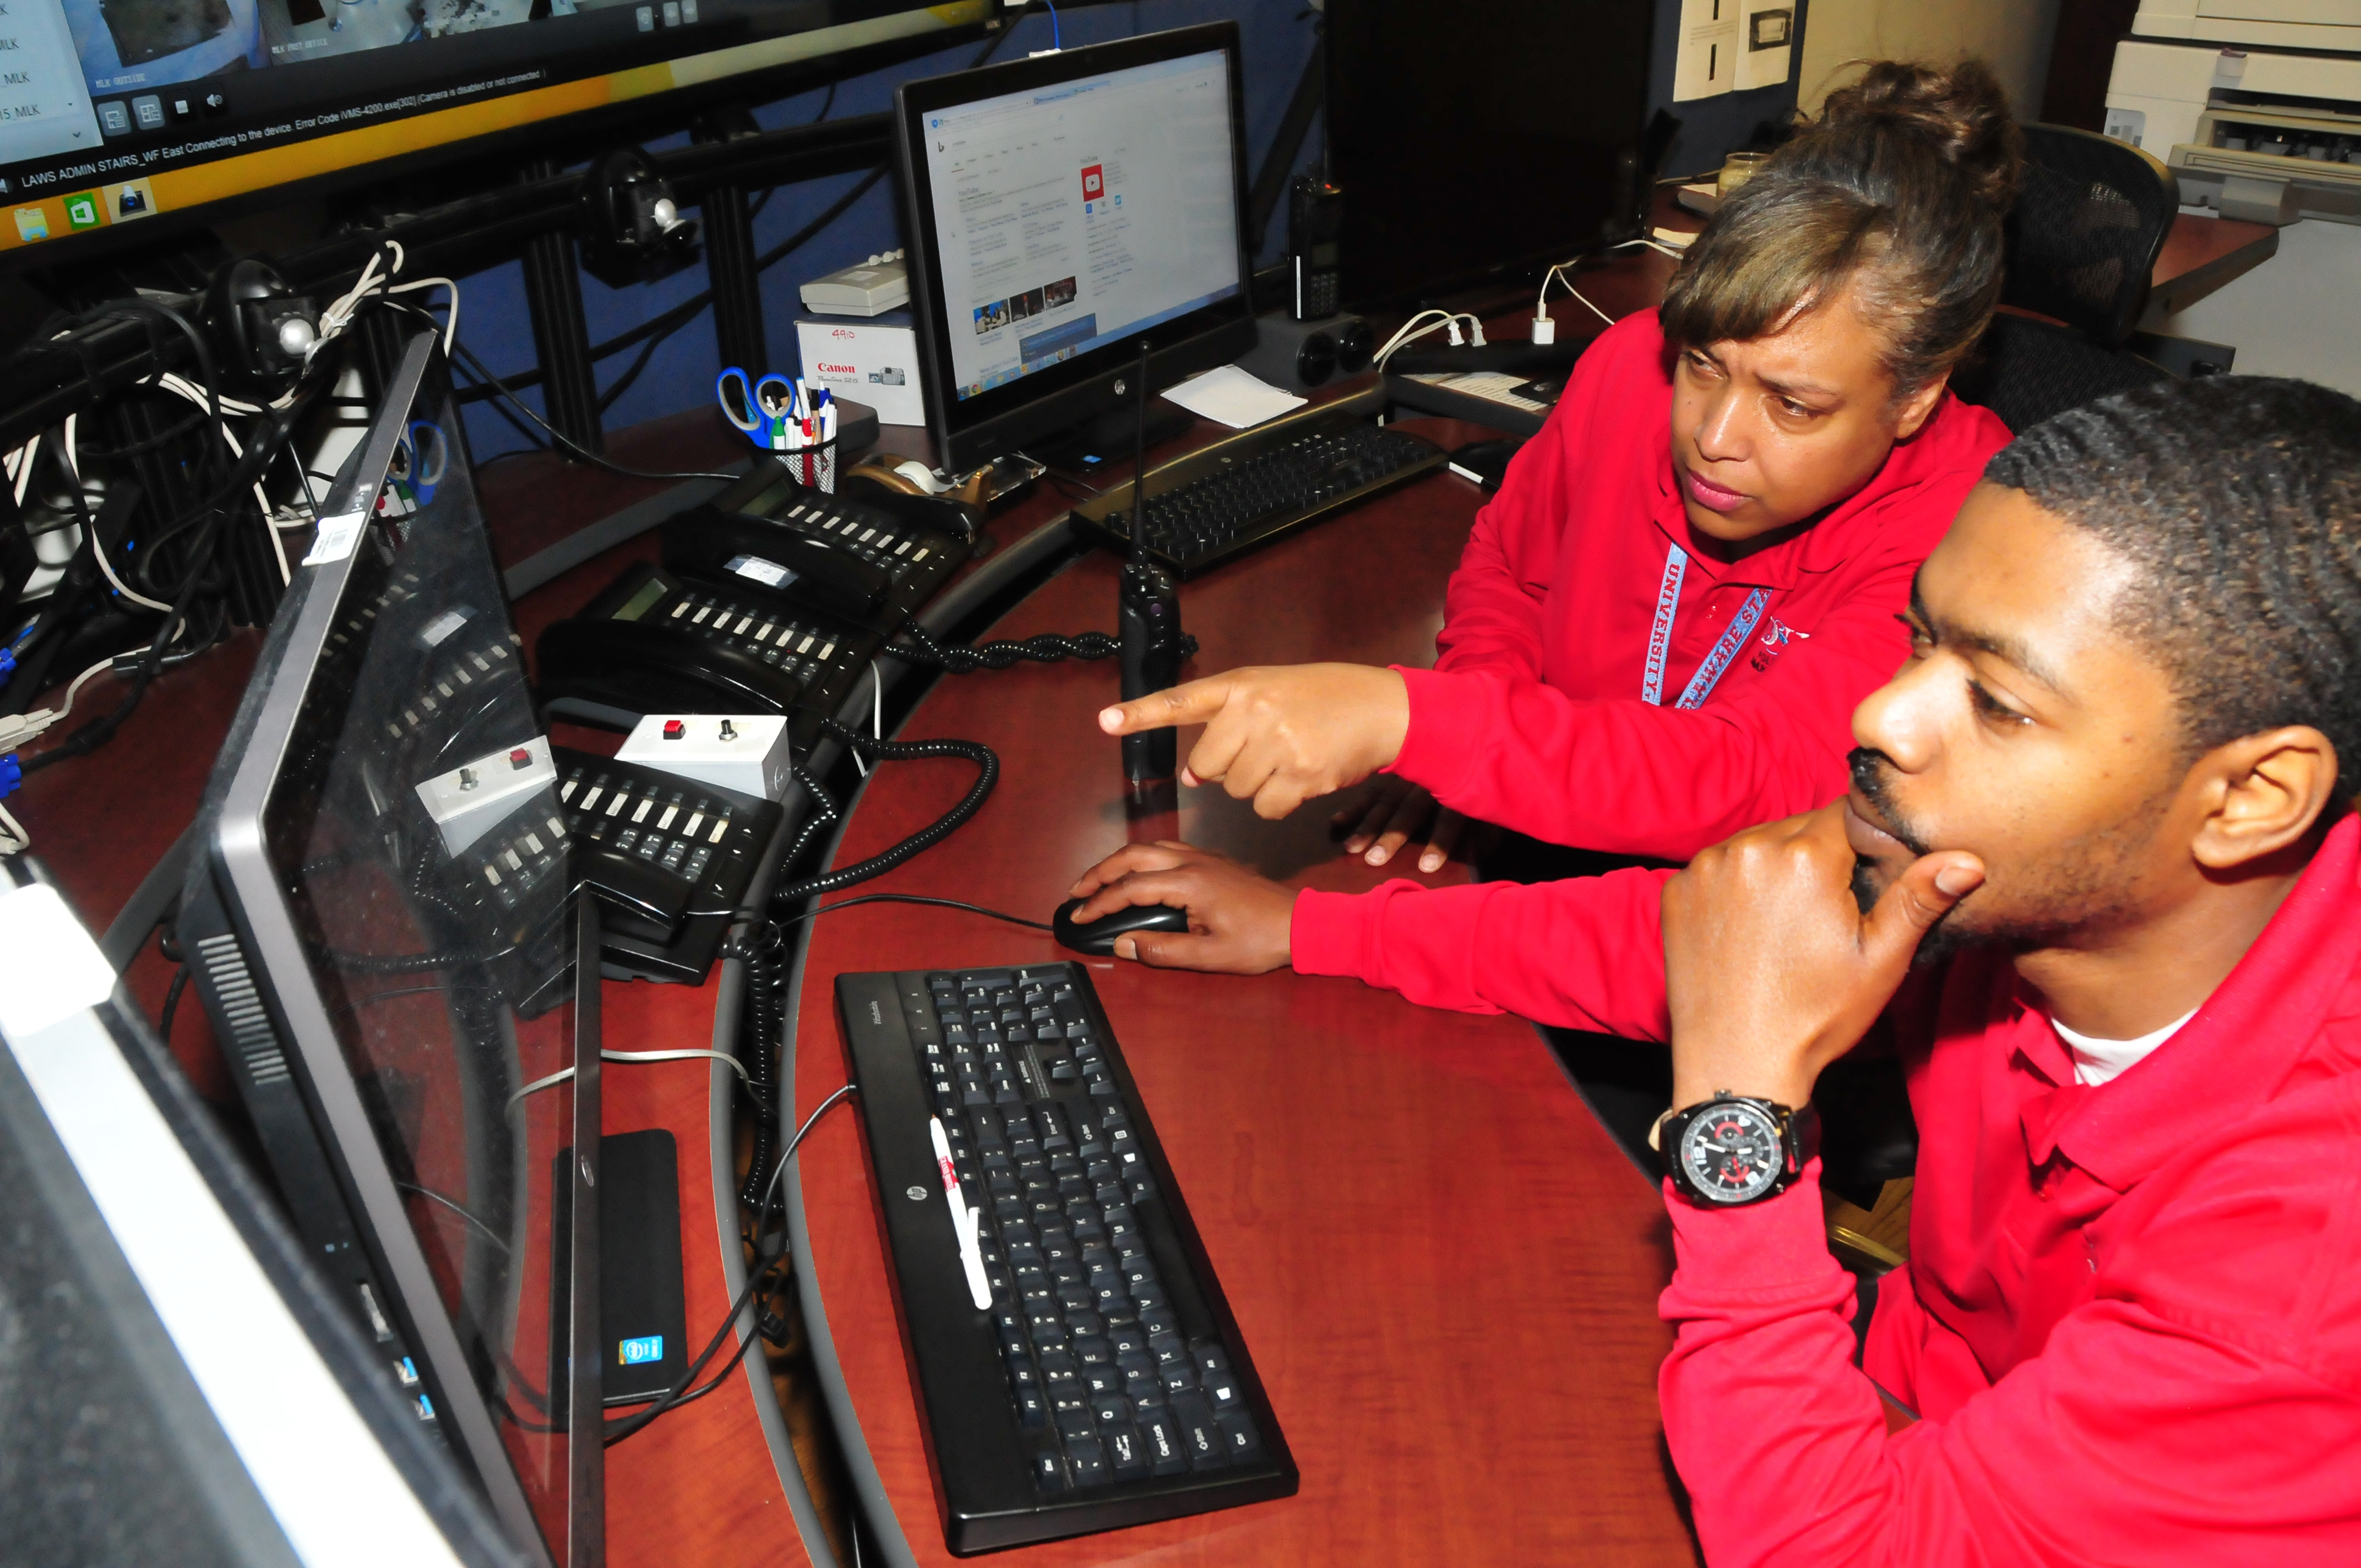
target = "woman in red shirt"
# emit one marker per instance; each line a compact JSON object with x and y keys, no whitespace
{"x":1660,"y":626}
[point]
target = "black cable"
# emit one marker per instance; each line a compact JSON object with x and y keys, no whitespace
{"x":917,"y":898}
{"x":1046,"y":649}
{"x":987,"y":774}
{"x":211,"y":518}
{"x":172,"y":1003}
{"x":685,"y":1391}
{"x":573,"y":448}
{"x":762,"y":1028}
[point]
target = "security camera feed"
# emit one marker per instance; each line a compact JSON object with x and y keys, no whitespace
{"x":179,"y":103}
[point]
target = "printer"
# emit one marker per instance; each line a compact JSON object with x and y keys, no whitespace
{"x":2254,"y":104}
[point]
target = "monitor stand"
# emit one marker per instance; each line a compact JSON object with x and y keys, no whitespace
{"x":1105,"y":440}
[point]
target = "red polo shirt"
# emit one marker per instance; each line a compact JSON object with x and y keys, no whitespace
{"x":1533,"y":715}
{"x":2132,"y":1317}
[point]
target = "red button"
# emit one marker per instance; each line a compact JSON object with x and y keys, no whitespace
{"x":520,"y":758}
{"x":674,"y":729}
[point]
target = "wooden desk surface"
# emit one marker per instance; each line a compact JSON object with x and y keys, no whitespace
{"x":1445,"y":1270}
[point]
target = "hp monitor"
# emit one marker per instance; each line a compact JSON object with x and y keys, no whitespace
{"x":377,"y":920}
{"x":1062,"y":209}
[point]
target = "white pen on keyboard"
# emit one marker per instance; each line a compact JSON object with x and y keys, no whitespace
{"x":964,"y":1220}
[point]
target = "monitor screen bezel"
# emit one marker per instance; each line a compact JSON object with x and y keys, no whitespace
{"x":238,"y":854}
{"x":626,"y":118}
{"x":972,"y":431}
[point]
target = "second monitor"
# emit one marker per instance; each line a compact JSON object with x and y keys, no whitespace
{"x":1061,"y":210}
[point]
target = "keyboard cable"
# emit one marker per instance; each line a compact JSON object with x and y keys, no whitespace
{"x":686,"y":1390}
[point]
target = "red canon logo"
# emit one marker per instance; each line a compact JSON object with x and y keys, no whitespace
{"x":836,"y":370}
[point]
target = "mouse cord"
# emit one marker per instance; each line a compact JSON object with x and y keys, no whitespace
{"x":987,"y":774}
{"x":1046,"y":649}
{"x":918,"y":898}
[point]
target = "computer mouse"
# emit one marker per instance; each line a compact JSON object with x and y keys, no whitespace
{"x":1097,"y":937}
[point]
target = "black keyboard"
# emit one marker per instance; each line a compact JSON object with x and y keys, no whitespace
{"x":1106,"y":1384}
{"x":1247,"y":498}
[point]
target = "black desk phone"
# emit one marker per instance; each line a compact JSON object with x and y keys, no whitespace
{"x":657,"y":642}
{"x":668,"y":857}
{"x":875,"y":561}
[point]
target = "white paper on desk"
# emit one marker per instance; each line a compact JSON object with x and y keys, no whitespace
{"x":1232,"y":396}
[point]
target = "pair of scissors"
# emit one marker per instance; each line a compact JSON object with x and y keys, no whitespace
{"x":763,"y":408}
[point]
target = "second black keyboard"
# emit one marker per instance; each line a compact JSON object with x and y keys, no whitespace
{"x":1238,"y":503}
{"x":1106,"y":1384}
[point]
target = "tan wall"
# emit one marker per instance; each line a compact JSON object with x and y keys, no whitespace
{"x":2013,"y":35}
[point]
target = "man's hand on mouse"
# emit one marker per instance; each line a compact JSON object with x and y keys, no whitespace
{"x":1279,"y":734}
{"x":1239,"y":922}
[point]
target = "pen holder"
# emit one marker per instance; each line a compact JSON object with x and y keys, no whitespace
{"x":813,"y":466}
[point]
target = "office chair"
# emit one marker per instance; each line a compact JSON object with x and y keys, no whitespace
{"x":2082,"y":240}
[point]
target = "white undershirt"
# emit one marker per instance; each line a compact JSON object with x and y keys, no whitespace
{"x":2096,"y":1061}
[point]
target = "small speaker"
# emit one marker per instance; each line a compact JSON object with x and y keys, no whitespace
{"x":1293,"y":355}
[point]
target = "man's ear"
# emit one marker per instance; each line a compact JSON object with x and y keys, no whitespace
{"x":1914,"y":411}
{"x":2265,"y":792}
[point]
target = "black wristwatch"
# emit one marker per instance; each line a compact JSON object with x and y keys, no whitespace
{"x":1731,"y":1149}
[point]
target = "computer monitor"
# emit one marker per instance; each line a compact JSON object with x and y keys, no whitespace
{"x":182,"y":1386}
{"x":121,"y":117}
{"x":1061,"y":210}
{"x":375,"y":918}
{"x":1483,"y":141}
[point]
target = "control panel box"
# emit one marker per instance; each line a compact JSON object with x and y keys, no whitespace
{"x":747,"y":752}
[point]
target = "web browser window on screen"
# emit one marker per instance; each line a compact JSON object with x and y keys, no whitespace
{"x":1072,"y":215}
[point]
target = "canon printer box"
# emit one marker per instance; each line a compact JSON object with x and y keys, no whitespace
{"x":871,"y":359}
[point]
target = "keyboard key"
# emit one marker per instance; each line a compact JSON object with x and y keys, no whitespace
{"x":1239,"y":1436}
{"x":1086,"y":1458}
{"x":1075,"y":1423}
{"x":1127,"y":1452}
{"x":1049,"y":1472}
{"x":1200,"y":1438}
{"x":1159,"y":1433}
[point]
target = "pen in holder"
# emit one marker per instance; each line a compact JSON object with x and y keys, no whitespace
{"x":811,"y":464}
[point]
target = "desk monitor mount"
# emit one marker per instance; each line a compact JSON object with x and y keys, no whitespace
{"x":1149,"y":613}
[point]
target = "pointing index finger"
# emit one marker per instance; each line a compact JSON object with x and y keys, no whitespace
{"x":1192,"y":702}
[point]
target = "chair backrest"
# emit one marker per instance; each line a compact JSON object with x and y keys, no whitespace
{"x":2024,"y":370}
{"x":2089,"y":219}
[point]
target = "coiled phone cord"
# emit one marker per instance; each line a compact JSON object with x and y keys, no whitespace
{"x":1046,"y":649}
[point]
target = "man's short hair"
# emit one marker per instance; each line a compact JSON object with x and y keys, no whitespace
{"x":2238,"y":501}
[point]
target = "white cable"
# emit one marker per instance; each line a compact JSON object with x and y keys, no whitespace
{"x":1411,"y":332}
{"x":97,"y":550}
{"x":561,"y":1074}
{"x":1541,"y":310}
{"x":877,"y":723}
{"x":15,"y":841}
{"x":451,"y":323}
{"x":74,"y":689}
{"x":196,"y":394}
{"x":23,"y":471}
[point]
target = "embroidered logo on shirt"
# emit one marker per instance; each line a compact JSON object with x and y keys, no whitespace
{"x":1775,"y":638}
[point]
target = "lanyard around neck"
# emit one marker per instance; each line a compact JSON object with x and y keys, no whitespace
{"x":1660,"y":638}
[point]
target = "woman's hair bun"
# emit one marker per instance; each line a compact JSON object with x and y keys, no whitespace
{"x":1960,"y":109}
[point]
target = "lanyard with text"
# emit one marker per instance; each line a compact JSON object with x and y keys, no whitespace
{"x":1660,"y":638}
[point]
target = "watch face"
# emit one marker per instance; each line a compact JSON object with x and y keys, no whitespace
{"x":1731,"y":1153}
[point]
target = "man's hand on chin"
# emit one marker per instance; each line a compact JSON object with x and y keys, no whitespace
{"x":1239,"y":922}
{"x":1774,"y":971}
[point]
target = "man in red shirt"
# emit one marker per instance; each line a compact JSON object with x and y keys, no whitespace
{"x":2100,"y":807}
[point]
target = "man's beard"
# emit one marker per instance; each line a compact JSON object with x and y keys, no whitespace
{"x":1869,"y":774}
{"x":2082,"y":887}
